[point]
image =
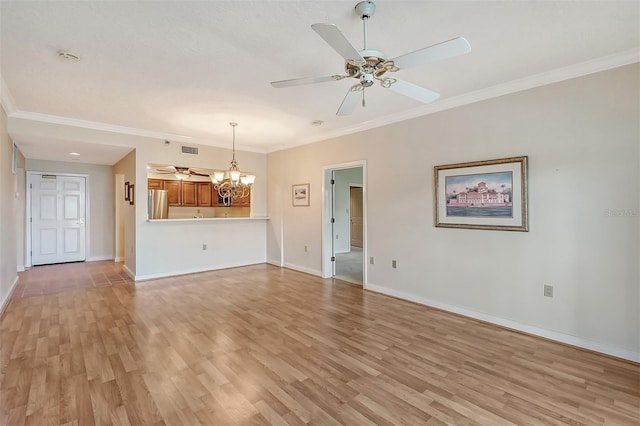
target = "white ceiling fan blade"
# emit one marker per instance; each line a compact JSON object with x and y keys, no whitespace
{"x":350,"y":100}
{"x":415,"y":92}
{"x":437,"y":52}
{"x":332,"y":35}
{"x":305,"y":80}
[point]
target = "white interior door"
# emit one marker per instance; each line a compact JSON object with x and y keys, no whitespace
{"x":58,"y":206}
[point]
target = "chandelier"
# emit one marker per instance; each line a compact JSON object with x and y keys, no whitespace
{"x":232,"y":184}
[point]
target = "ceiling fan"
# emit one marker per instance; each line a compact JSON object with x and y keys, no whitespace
{"x":181,"y":173}
{"x":369,"y":65}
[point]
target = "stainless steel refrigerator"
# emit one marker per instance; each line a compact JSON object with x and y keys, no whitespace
{"x":158,"y":204}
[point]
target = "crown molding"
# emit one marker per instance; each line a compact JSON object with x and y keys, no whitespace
{"x":566,"y":73}
{"x":131,"y":131}
{"x":6,"y":100}
{"x":561,"y":74}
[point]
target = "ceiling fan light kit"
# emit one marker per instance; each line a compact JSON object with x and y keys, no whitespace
{"x":369,"y":65}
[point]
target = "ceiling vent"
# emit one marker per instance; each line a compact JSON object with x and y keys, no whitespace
{"x":189,"y":150}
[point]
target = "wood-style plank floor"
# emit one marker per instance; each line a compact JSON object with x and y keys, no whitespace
{"x":263,"y":345}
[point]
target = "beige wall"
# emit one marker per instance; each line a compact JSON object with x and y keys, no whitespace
{"x":582,"y":138}
{"x":100,"y":202}
{"x":8,"y":215}
{"x":125,"y":213}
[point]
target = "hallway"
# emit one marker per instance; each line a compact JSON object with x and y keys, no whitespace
{"x":48,"y":279}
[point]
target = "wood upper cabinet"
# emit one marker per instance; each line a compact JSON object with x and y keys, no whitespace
{"x":154,"y":184}
{"x":189,"y":195}
{"x":174,"y":194}
{"x":193,"y":194}
{"x":218,"y":201}
{"x":243,"y":201}
{"x":203,"y":194}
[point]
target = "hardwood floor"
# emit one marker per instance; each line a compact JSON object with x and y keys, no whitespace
{"x":264,"y":345}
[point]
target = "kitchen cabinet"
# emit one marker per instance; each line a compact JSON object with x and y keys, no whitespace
{"x":240,"y":202}
{"x":174,"y":194}
{"x":188,"y":194}
{"x":204,"y":194}
{"x":154,"y":184}
{"x":243,"y":201}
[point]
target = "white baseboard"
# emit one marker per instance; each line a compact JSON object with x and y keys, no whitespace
{"x":98,"y":258}
{"x":129,"y":272}
{"x":552,"y":335}
{"x":145,"y":277}
{"x":275,"y":262}
{"x":5,"y":301}
{"x":118,"y":259}
{"x":21,"y":268}
{"x":303,"y":269}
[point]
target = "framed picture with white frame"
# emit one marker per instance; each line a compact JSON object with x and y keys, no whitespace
{"x":300,"y":195}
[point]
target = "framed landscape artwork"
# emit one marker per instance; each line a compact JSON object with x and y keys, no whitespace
{"x":482,"y":195}
{"x":300,"y":195}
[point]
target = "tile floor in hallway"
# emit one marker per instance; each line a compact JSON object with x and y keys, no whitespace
{"x":48,"y":279}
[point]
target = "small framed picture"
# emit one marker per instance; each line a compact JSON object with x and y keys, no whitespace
{"x":300,"y":195}
{"x":126,"y":191}
{"x":132,"y":193}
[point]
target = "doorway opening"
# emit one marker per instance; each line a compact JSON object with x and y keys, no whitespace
{"x":344,"y":222}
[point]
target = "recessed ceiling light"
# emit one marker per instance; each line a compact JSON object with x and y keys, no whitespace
{"x":75,"y":154}
{"x":67,"y":54}
{"x":317,"y":123}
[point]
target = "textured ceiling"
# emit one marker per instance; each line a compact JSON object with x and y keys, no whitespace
{"x":185,"y":69}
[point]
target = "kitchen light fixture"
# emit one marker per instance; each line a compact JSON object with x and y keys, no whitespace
{"x":232,"y":184}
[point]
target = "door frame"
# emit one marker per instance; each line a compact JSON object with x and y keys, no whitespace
{"x":327,"y":201}
{"x":27,"y":213}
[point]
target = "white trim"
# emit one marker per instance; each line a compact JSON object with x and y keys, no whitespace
{"x":566,"y":73}
{"x":129,"y":272}
{"x":104,"y":127}
{"x":303,"y":269}
{"x":554,"y":76}
{"x":275,"y":262}
{"x":6,"y":99}
{"x":548,"y":334}
{"x":327,"y":237}
{"x":118,"y":259}
{"x":7,"y":299}
{"x":187,"y":271}
{"x":98,"y":258}
{"x":20,"y":268}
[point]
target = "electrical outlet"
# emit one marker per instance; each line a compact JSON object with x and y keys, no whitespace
{"x":204,"y":247}
{"x":371,"y":260}
{"x":394,"y":264}
{"x":306,"y":249}
{"x":548,"y":290}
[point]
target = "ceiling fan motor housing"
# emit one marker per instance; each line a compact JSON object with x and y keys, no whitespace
{"x":365,"y":9}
